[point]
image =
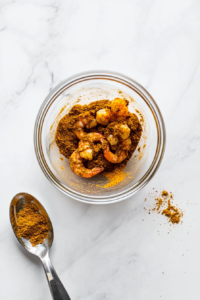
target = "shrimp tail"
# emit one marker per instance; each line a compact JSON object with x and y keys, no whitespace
{"x":95,"y":171}
{"x":77,"y":166}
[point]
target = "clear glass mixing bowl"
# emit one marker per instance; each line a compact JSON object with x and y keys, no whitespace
{"x":85,"y":88}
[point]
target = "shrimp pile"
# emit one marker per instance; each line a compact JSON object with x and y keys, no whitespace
{"x":98,"y":137}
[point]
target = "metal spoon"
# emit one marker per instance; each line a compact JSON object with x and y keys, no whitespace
{"x":57,"y":289}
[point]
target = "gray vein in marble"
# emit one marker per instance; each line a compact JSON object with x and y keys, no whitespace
{"x":51,"y":76}
{"x":28,"y":81}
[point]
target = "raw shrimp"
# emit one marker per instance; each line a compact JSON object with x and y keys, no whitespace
{"x":125,"y":145}
{"x":85,"y":148}
{"x":113,"y":140}
{"x":95,"y":137}
{"x":123,"y":131}
{"x":87,"y":121}
{"x":77,"y":166}
{"x":103,"y":116}
{"x":118,"y":111}
{"x":119,"y":132}
{"x":119,"y":108}
{"x":80,"y":133}
{"x":121,"y":153}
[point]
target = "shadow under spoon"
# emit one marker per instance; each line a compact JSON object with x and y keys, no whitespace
{"x":57,"y":289}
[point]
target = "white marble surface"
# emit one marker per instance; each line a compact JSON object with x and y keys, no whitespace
{"x":103,"y":252}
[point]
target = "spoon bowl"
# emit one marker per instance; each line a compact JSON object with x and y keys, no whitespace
{"x":16,"y":206}
{"x":57,"y":289}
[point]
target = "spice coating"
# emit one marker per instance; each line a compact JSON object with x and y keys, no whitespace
{"x":30,"y":224}
{"x":122,"y":125}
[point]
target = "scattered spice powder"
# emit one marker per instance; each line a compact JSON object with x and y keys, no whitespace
{"x":159,"y":203}
{"x":164,"y":206}
{"x":165,"y":194}
{"x":172,"y":213}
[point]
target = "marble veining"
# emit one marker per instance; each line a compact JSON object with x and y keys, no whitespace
{"x":117,"y":251}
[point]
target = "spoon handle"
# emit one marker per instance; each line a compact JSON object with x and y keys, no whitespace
{"x":57,"y":289}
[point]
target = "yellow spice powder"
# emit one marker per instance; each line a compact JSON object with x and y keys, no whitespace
{"x":114,"y":177}
{"x":164,"y":206}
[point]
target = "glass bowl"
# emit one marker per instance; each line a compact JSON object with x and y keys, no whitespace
{"x":85,"y":88}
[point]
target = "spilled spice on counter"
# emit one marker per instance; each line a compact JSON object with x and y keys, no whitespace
{"x":172,"y":213}
{"x":163,"y":206}
{"x":164,"y":194}
{"x":159,"y":203}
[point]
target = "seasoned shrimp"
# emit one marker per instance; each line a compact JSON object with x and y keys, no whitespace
{"x":95,"y":137}
{"x":113,"y":140}
{"x":116,"y":158}
{"x":103,"y":116}
{"x":77,"y":166}
{"x":119,"y":111}
{"x":80,"y":133}
{"x":87,"y":121}
{"x":121,"y":153}
{"x":123,"y":131}
{"x":126,"y":144}
{"x":85,"y":148}
{"x":118,"y":132}
{"x":119,"y":108}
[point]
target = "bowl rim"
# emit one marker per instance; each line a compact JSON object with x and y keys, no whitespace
{"x":144,"y":94}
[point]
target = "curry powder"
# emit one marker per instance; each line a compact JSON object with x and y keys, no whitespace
{"x":30,"y":224}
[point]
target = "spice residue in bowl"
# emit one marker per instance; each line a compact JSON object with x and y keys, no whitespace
{"x":115,"y":177}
